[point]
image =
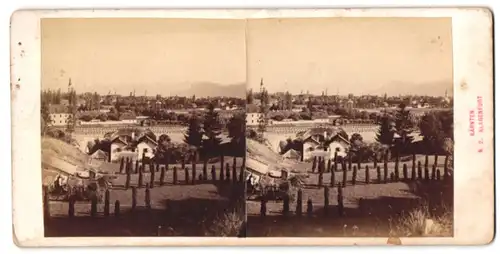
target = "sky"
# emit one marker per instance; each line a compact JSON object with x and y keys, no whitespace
{"x":153,"y":56}
{"x":165,"y":56}
{"x":351,"y":55}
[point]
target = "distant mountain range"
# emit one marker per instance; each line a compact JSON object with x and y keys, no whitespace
{"x":208,"y":89}
{"x":406,"y":88}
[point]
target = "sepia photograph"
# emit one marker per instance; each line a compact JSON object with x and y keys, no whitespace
{"x":350,"y":127}
{"x":252,"y":127}
{"x":142,"y":127}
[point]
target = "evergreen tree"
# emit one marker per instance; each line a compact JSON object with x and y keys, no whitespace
{"x":263,"y":110}
{"x":250,"y":96}
{"x":404,"y":127}
{"x":211,"y":129}
{"x":385,"y":134}
{"x":193,"y":136}
{"x":236,"y":130}
{"x":45,"y":117}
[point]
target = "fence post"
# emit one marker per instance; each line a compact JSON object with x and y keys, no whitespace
{"x":93,"y":206}
{"x":320,"y":178}
{"x":117,"y":208}
{"x":314,"y":164}
{"x":205,"y":176}
{"x":436,"y":159}
{"x":344,"y":173}
{"x":326,"y":194}
{"x":340,"y":200}
{"x":46,"y":200}
{"x":183,"y":162}
{"x":221,"y":173}
{"x":298,"y":209}
{"x":121,"y":165}
{"x":335,"y":162}
{"x":405,"y":172}
{"x":309,"y":207}
{"x":134,"y":197}
{"x":193,"y":173}
{"x":419,"y":167}
{"x":157,"y":167}
{"x":141,"y":177}
{"x":329,"y":165}
{"x":438,"y":175}
{"x":242,"y":173}
{"x":379,"y":175}
{"x":148,"y":198}
{"x":263,"y":207}
{"x":127,"y":180}
{"x":235,"y":174}
{"x":228,"y":172}
{"x":374,"y":161}
{"x":433,"y":176}
{"x":286,"y":206}
{"x":367,"y":175}
{"x":413,"y":162}
{"x":106,"y":203}
{"x":426,"y":162}
{"x":426,"y":174}
{"x":349,"y":156}
{"x":222,"y":165}
{"x":152,"y":180}
{"x":175,"y":175}
{"x":396,"y":168}
{"x":136,"y":166}
{"x":162,"y":175}
{"x":71,"y":207}
{"x":354,"y":174}
{"x":186,"y":175}
{"x":212,"y":171}
{"x":386,"y":167}
{"x":332,"y":178}
{"x":359,"y":163}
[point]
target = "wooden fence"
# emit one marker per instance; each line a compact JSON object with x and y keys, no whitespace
{"x":229,"y":174}
{"x":417,"y":172}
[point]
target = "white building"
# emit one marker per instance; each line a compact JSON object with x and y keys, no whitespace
{"x":118,"y":146}
{"x":146,"y":147}
{"x":314,"y":139}
{"x":252,"y":119}
{"x":59,"y":119}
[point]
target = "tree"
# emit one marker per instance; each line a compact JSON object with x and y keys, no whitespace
{"x":163,"y":149}
{"x":71,"y":122}
{"x":45,"y":118}
{"x":288,"y":101}
{"x":435,"y":127}
{"x":211,"y":129}
{"x":264,"y":109}
{"x":385,"y":134}
{"x":237,"y":130}
{"x":249,"y":96}
{"x":404,"y":127}
{"x":194,"y":134}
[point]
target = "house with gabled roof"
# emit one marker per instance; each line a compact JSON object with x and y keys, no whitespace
{"x":324,"y":142}
{"x":146,"y":146}
{"x":118,"y":145}
{"x":99,"y":155}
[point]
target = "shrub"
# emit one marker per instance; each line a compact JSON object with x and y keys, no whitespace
{"x":419,"y":222}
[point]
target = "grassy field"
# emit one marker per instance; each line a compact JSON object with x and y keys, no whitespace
{"x":375,"y":209}
{"x":185,"y":209}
